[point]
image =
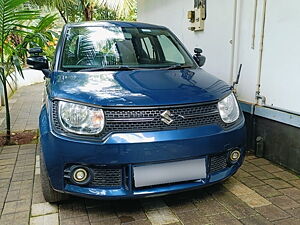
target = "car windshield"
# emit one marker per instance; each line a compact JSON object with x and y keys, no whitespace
{"x":121,"y":47}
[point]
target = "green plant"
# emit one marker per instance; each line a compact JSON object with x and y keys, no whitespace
{"x":78,"y":10}
{"x":40,"y":35}
{"x":11,"y":23}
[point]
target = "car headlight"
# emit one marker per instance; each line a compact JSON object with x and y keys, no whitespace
{"x":80,"y":119}
{"x":229,"y":109}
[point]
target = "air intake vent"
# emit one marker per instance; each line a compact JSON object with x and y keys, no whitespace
{"x":218,"y":162}
{"x":107,"y":177}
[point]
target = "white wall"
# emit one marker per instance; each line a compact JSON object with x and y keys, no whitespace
{"x":279,"y":78}
{"x":173,"y":14}
{"x":30,"y":77}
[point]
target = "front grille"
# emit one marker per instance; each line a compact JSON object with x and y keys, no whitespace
{"x":100,"y":177}
{"x":218,"y":162}
{"x":107,"y":177}
{"x":137,"y":119}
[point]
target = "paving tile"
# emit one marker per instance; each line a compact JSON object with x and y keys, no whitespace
{"x":285,"y":175}
{"x":4,"y":162}
{"x":206,"y":193}
{"x":16,"y":206}
{"x":143,"y":222}
{"x":267,"y":191}
{"x":246,"y":194}
{"x":250,"y":167}
{"x":21,"y":185}
{"x":272,"y":212}
{"x":161,"y":216}
{"x":254,"y":200}
{"x":251,"y":181}
{"x":20,"y":169}
{"x":20,"y":218}
{"x":43,"y":209}
{"x":129,"y":210}
{"x":277,"y":183}
{"x":72,"y":209}
{"x":158,"y":212}
{"x":194,"y":217}
{"x":295,"y":183}
{"x":294,"y":212}
{"x":180,"y":205}
{"x":22,"y":176}
{"x":290,"y":221}
{"x":51,"y":219}
{"x":76,"y":221}
{"x":37,"y":191}
{"x":250,"y":157}
{"x":271,"y":168}
{"x":234,"y":205}
{"x":19,"y":194}
{"x":262,"y":174}
{"x":210,"y":207}
{"x":256,"y":220}
{"x":284,"y":202}
{"x":237,"y":188}
{"x":224,"y":219}
{"x":260,"y":161}
{"x":4,"y":183}
{"x":27,"y":146}
{"x":9,"y":156}
{"x":101,"y":213}
{"x":241,"y":173}
{"x":5,"y":175}
{"x":293,"y":193}
{"x":110,"y":221}
{"x":10,"y":149}
{"x":7,"y":168}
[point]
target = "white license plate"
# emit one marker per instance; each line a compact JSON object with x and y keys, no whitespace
{"x":172,"y":172}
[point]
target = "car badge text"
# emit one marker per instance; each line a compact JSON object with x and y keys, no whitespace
{"x":166,"y":117}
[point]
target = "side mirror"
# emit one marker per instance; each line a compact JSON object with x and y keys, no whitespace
{"x":37,"y":61}
{"x":35,"y":51}
{"x":200,"y":59}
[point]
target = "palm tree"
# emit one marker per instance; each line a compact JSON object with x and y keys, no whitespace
{"x":63,"y":6}
{"x":69,"y":8}
{"x":11,"y":22}
{"x":122,"y":7}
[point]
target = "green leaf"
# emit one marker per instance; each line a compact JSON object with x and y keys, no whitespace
{"x":17,"y":64}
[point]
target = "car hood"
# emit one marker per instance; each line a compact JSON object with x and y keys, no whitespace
{"x":138,"y":87}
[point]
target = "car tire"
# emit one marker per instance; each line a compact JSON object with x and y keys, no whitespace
{"x":50,"y":195}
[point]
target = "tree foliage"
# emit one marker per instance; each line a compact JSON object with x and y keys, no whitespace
{"x":16,"y":35}
{"x":78,"y":10}
{"x":11,"y":24}
{"x":39,"y":35}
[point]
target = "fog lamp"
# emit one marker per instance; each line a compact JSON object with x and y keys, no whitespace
{"x":80,"y":175}
{"x":235,"y":156}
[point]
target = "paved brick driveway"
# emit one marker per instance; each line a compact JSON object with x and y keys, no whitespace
{"x":260,"y":193}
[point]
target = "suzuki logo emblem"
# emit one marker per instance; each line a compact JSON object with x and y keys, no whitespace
{"x":166,"y":117}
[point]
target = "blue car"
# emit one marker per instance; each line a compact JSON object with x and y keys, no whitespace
{"x":129,"y":113}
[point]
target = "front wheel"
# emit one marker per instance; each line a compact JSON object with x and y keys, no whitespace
{"x":50,"y":195}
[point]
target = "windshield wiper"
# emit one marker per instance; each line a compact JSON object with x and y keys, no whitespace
{"x":119,"y":68}
{"x":178,"y":66}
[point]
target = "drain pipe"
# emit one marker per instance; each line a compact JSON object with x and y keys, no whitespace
{"x":258,"y":96}
{"x":233,"y":41}
{"x":259,"y":151}
{"x":254,"y":24}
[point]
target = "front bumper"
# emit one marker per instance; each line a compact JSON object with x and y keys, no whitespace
{"x":128,"y":149}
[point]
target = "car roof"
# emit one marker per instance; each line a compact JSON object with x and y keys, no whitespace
{"x":106,"y":23}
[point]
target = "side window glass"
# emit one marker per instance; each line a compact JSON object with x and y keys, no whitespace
{"x":171,"y":52}
{"x":148,"y":48}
